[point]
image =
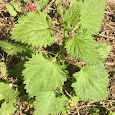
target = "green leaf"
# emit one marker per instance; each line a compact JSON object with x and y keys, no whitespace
{"x":71,"y":16}
{"x":13,"y":48}
{"x":73,"y":1}
{"x":9,"y":95}
{"x":18,"y":69}
{"x":92,"y":15}
{"x":103,"y":50}
{"x":34,"y":30}
{"x":113,"y":113}
{"x":11,"y":9}
{"x":94,"y":111}
{"x":42,"y":3}
{"x":7,"y":109}
{"x":7,"y":92}
{"x":83,"y":47}
{"x":3,"y":69}
{"x":91,"y":83}
{"x":47,"y":103}
{"x":25,"y":0}
{"x":57,"y":2}
{"x":42,"y":74}
{"x":76,"y":99}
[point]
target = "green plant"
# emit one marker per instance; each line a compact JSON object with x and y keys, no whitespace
{"x":12,"y":7}
{"x":94,"y":111}
{"x":45,"y":78}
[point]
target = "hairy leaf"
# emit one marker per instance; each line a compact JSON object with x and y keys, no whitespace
{"x":92,"y":83}
{"x":42,"y":3}
{"x":82,"y":47}
{"x":9,"y":95}
{"x":92,"y":15}
{"x":42,"y":74}
{"x":71,"y":16}
{"x":103,"y":50}
{"x":13,"y":48}
{"x":47,"y":103}
{"x":33,"y":29}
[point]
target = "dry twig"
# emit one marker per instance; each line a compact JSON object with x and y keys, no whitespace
{"x":73,"y":102}
{"x":49,"y":5}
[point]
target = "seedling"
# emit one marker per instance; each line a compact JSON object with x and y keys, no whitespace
{"x":45,"y":76}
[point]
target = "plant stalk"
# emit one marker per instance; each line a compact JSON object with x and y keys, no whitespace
{"x":57,"y":32}
{"x":63,"y":50}
{"x":46,"y":52}
{"x":74,"y":63}
{"x":75,"y":27}
{"x":55,"y":57}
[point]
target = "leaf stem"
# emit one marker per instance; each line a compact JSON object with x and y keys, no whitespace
{"x":49,"y":5}
{"x":57,"y":32}
{"x":74,"y":63}
{"x":63,"y":57}
{"x":73,"y":101}
{"x":55,"y":57}
{"x":75,"y":27}
{"x":46,"y":52}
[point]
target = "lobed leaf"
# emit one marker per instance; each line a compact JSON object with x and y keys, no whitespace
{"x":47,"y":103}
{"x":92,"y":14}
{"x":42,"y":74}
{"x":34,"y":30}
{"x":9,"y":95}
{"x":83,"y":47}
{"x":91,"y":83}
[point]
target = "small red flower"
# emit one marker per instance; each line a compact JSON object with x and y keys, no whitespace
{"x":31,"y":7}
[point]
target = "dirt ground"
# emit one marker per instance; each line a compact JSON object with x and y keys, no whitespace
{"x":106,"y":35}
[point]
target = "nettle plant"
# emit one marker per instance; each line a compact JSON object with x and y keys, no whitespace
{"x":45,"y":78}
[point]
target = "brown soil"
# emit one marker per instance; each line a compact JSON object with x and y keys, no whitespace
{"x":106,"y":35}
